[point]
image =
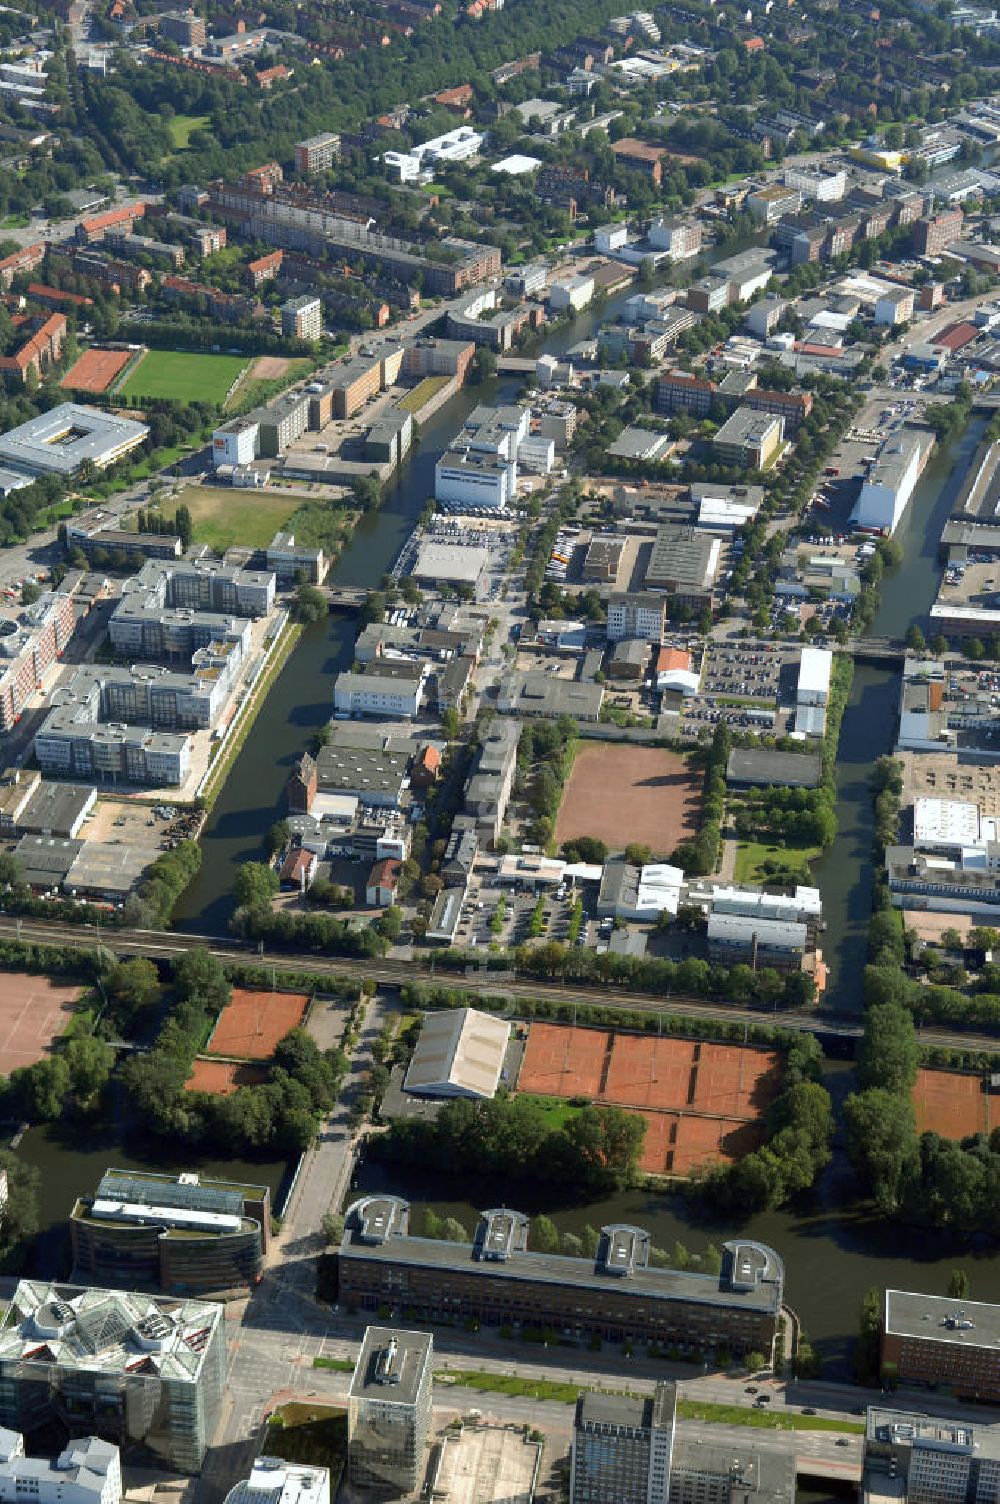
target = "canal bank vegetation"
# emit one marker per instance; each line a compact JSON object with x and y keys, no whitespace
{"x":920,"y":1179}
{"x":799,"y":1130}
{"x":597,"y":1148}
{"x":281,"y":1113}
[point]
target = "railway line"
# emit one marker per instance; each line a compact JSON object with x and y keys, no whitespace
{"x":165,"y":944}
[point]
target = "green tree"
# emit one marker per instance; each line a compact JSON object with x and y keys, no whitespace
{"x":882,"y":1142}
{"x":959,"y":1285}
{"x":309,"y":605}
{"x":544,"y":1234}
{"x":889,"y":1053}
{"x":200,"y":976}
{"x":866,"y":1349}
{"x":255,"y":886}
{"x":451,"y":724}
{"x":90,"y":1062}
{"x":278,"y":837}
{"x":915,"y":639}
{"x":607,"y":1141}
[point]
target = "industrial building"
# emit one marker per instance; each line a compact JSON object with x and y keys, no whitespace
{"x":685,"y":563}
{"x":737,"y":939}
{"x":86,"y":1471}
{"x":935,"y":1340}
{"x":750,"y":768}
{"x":144,"y":1372}
{"x":453,"y":565}
{"x":179,"y":1233}
{"x":538,"y":693}
{"x":460,"y":1053}
{"x":60,"y":441}
{"x":619,"y":1296}
{"x":890,"y":482}
{"x":389,"y":1411}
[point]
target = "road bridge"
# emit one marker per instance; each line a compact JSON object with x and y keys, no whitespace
{"x":876,"y":649}
{"x":515,"y":365}
{"x":345,"y":597}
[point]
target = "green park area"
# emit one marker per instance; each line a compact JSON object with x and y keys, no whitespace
{"x":222,"y":517}
{"x":182,"y":376}
{"x":756,"y":861}
{"x":182,"y":127}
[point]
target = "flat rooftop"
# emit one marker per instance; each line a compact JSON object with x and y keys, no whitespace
{"x":937,"y":1318}
{"x":391,"y":1365}
{"x":58,"y":442}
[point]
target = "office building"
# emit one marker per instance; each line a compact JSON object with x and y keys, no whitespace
{"x":679,"y":236}
{"x":389,"y":1411}
{"x":622,"y":1448}
{"x":571,"y":295}
{"x":390,"y":687}
{"x":467,"y":479}
{"x":749,"y":439}
{"x":639,"y":614}
{"x":769,"y":204}
{"x":272,"y":1480}
{"x":932,"y":1339}
{"x":179,"y":1233}
{"x":923,"y":1459}
{"x":86,"y":1471}
{"x":144,"y":1372}
{"x":317,"y":153}
{"x":59,"y":441}
{"x":619,"y":1296}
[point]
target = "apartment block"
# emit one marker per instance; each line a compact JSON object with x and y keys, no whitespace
{"x":317,"y":153}
{"x":302,"y":317}
{"x":680,"y":392}
{"x":185,"y":27}
{"x":677,"y":235}
{"x":936,"y":232}
{"x":439,"y":357}
{"x":38,"y":639}
{"x":19,"y":262}
{"x":89,"y":231}
{"x":354,"y":383}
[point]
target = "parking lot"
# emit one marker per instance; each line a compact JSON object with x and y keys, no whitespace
{"x":479,"y":926}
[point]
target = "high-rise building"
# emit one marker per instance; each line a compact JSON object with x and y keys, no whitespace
{"x":317,"y":153}
{"x":142,"y":1371}
{"x":302,"y":318}
{"x":622,"y":1448}
{"x":389,"y":1411}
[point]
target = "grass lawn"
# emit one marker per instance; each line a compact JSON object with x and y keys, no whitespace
{"x":15,"y":222}
{"x":339,"y":1365}
{"x":181,"y":127}
{"x":557,"y":1111}
{"x":764,"y":1418}
{"x":253,"y":392}
{"x":750,"y":855}
{"x":502,"y":1383}
{"x":422,"y":393}
{"x":183,"y":376}
{"x":222,"y":516}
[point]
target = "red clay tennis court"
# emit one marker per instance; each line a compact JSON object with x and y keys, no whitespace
{"x":702,"y":1102}
{"x":34,"y":1011}
{"x":220,"y":1078}
{"x":96,"y":370}
{"x":251,"y":1023}
{"x":952,"y":1104}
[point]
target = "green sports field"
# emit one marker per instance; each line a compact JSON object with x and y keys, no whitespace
{"x":183,"y":376}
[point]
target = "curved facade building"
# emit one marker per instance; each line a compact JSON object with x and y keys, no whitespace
{"x":175,"y":1233}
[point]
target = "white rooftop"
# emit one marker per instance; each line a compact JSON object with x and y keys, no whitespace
{"x":58,"y":442}
{"x":945,"y":822}
{"x":516,"y":164}
{"x":274,"y":1481}
{"x":460,"y":1053}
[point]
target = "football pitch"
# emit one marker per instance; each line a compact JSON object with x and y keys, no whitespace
{"x":183,"y":376}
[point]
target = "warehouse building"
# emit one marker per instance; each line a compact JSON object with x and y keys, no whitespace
{"x":685,"y":563}
{"x":890,"y":482}
{"x":460,"y":1053}
{"x":618,"y":1296}
{"x":454,"y":565}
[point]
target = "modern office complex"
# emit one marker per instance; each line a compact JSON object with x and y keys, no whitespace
{"x":60,"y":441}
{"x":622,"y":1448}
{"x":617,"y":1296}
{"x":87,"y":1471}
{"x":389,"y":1411}
{"x":626,"y":1450}
{"x":922,"y":1459}
{"x":144,"y":1372}
{"x":930,"y":1339}
{"x":171,"y":1232}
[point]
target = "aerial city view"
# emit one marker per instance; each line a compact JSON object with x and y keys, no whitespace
{"x":499,"y":752}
